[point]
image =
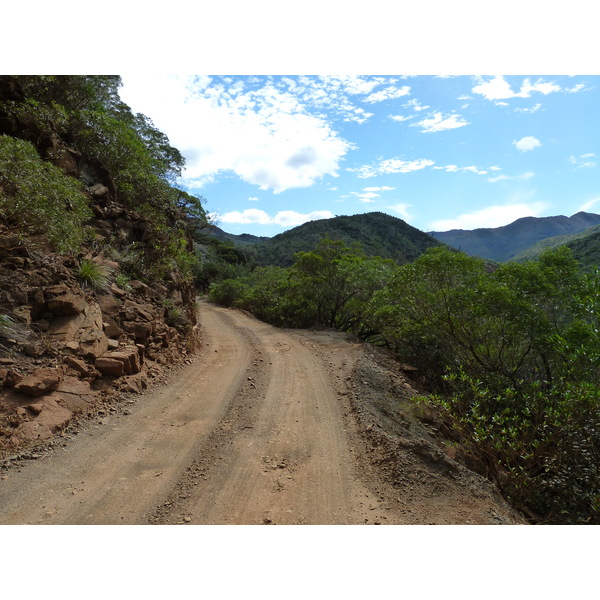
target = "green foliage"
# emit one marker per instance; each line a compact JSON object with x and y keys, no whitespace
{"x":122,"y":281}
{"x":93,"y":275}
{"x":544,"y":445}
{"x":585,"y":247}
{"x":220,"y":260}
{"x":329,"y":286}
{"x":516,"y":354}
{"x":36,"y":196}
{"x":86,"y":112}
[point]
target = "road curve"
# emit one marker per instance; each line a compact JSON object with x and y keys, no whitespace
{"x":253,"y":428}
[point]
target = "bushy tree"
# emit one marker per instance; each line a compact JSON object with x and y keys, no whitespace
{"x":36,"y":197}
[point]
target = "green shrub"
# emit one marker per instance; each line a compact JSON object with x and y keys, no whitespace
{"x":36,"y":197}
{"x":93,"y":275}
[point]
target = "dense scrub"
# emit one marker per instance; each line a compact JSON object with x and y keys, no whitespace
{"x":61,"y":133}
{"x":511,"y":353}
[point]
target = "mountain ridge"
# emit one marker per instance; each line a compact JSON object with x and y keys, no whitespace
{"x":502,"y":243}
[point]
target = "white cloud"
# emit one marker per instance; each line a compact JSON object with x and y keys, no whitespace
{"x":456,"y":169}
{"x":583,"y":161}
{"x":365,"y":197}
{"x":401,"y":118}
{"x":527,"y":143}
{"x":253,"y":199}
{"x":438,"y":122}
{"x":388,"y":93}
{"x":384,"y":188}
{"x":414,"y":104}
{"x":262,"y":134}
{"x":392,"y":165}
{"x":284,"y":218}
{"x":499,"y":89}
{"x":250,"y":215}
{"x":401,"y":209}
{"x":291,"y":218}
{"x":492,"y":216}
{"x":503,"y":177}
{"x":530,"y":110}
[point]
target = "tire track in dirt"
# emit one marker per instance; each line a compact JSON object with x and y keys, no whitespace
{"x":287,"y":461}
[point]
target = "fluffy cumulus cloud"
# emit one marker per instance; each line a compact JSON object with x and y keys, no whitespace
{"x":392,"y":165}
{"x":284,"y":218}
{"x":527,"y":143}
{"x":439,"y":122}
{"x":263,"y":134}
{"x":498,"y":88}
{"x":491,"y":216}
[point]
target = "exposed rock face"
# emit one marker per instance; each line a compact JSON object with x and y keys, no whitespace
{"x":72,"y":344}
{"x":43,"y":418}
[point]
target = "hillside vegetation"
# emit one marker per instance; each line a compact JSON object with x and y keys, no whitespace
{"x":377,"y":234}
{"x":503,"y":243}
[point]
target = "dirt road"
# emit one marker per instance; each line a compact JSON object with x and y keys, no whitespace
{"x":259,"y":429}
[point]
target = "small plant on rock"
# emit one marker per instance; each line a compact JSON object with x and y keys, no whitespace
{"x":93,"y":275}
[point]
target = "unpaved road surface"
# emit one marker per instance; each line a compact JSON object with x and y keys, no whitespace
{"x":264,"y":427}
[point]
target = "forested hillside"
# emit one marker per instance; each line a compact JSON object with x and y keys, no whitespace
{"x":503,"y":243}
{"x":377,"y":234}
{"x":585,"y":247}
{"x":97,"y":259}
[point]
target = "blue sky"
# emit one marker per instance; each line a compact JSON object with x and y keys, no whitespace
{"x":271,"y":152}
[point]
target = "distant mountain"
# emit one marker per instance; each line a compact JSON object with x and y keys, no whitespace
{"x":585,"y":247}
{"x":502,"y":243}
{"x":378,"y":234}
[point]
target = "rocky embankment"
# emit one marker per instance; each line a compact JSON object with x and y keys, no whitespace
{"x":67,"y":350}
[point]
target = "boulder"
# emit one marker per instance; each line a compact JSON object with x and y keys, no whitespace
{"x":39,"y":382}
{"x":141,"y":331}
{"x":109,"y":305}
{"x":66,"y":304}
{"x":81,"y":367}
{"x":110,"y":366}
{"x":98,"y":190}
{"x":112,"y":331}
{"x":129,"y":358}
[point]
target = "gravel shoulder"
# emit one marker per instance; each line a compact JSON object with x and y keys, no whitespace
{"x":266,"y":426}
